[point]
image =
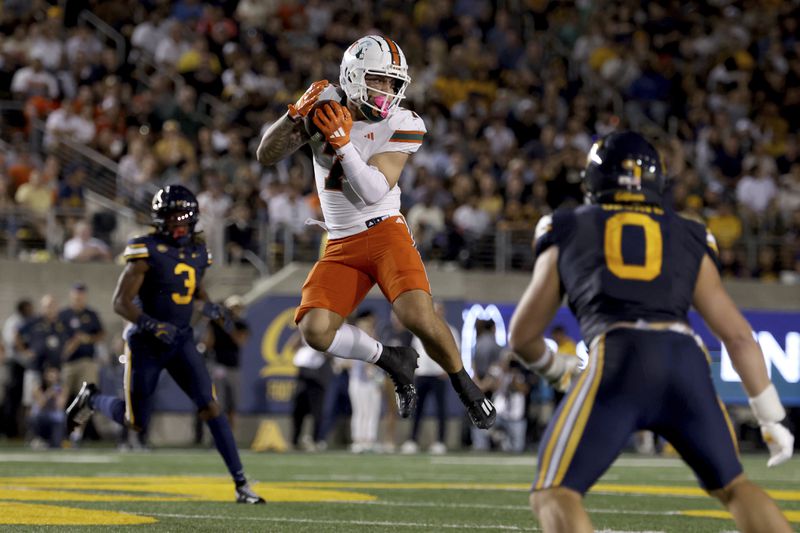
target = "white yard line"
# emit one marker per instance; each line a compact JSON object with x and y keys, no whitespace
{"x":392,"y":524}
{"x":496,"y":507}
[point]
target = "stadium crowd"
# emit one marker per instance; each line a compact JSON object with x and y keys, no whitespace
{"x":512,"y":99}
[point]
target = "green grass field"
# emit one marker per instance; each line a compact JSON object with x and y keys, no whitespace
{"x":188,"y":490}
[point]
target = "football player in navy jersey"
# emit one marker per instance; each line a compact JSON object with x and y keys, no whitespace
{"x":631,"y":269}
{"x":157,"y":293}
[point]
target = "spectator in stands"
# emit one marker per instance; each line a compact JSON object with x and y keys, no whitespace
{"x":41,"y":341}
{"x":756,"y":191}
{"x":170,"y":49}
{"x":71,"y":191}
{"x":510,"y":399}
{"x":767,"y":267}
{"x":46,"y":44}
{"x":84,"y":330}
{"x":214,"y":205}
{"x":16,"y":361}
{"x":313,"y":374}
{"x":66,"y":123}
{"x":487,"y":354}
{"x":240,"y":234}
{"x":426,"y":221}
{"x":37,"y":196}
{"x":34,"y":80}
{"x":21,"y":164}
{"x":151,"y":31}
{"x":224,"y":347}
{"x":129,"y":168}
{"x":173,"y":149}
{"x":725,"y":225}
{"x":47,"y":418}
{"x":789,"y":192}
{"x":290,"y":209}
{"x":83,"y":43}
{"x":83,"y":247}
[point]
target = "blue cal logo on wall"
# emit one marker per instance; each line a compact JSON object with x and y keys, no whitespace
{"x":267,"y":373}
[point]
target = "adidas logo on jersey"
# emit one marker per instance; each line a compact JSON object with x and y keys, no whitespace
{"x":370,"y":136}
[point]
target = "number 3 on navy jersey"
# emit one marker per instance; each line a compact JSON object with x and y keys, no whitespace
{"x":190,"y":283}
{"x":653,"y":243}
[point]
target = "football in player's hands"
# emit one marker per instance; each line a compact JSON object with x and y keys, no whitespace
{"x":311,"y":128}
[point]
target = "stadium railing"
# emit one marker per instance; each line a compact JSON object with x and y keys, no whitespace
{"x":106,"y":31}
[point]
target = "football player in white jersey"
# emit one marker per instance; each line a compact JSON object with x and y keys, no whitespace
{"x":360,"y":149}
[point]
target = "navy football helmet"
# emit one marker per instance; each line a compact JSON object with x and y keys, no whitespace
{"x":175,"y":205}
{"x":624,"y":167}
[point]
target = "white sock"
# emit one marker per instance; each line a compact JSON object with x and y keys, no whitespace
{"x":353,"y":343}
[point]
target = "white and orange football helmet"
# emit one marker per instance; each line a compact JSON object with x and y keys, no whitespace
{"x":378,"y":55}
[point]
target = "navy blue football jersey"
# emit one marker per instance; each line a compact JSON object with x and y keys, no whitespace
{"x":167,"y":292}
{"x":625,"y":262}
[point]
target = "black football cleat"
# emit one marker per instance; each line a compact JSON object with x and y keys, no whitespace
{"x":482,"y":413}
{"x":399,"y":362}
{"x":480,"y":408}
{"x":245,"y":494}
{"x":80,"y":410}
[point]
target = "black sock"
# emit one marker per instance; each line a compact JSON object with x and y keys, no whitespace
{"x":464,"y":386}
{"x":241,"y":482}
{"x":226,"y":446}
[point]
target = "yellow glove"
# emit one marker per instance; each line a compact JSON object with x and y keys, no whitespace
{"x":300,"y":109}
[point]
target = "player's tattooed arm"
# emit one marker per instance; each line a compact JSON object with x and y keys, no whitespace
{"x":281,"y":139}
{"x":130,"y":281}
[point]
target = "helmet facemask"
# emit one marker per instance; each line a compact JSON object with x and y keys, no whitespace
{"x":364,"y":58}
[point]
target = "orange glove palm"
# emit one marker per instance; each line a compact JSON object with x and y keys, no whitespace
{"x":335,"y":123}
{"x":304,"y":104}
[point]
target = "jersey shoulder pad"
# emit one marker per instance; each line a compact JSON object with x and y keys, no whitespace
{"x":138,"y":248}
{"x":407,"y":130}
{"x":543,"y":235}
{"x":701,"y":238}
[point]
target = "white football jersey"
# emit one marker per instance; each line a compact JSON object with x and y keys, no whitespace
{"x":345,"y":213}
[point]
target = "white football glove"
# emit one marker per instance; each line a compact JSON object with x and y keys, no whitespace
{"x":780,"y":442}
{"x":769,"y":412}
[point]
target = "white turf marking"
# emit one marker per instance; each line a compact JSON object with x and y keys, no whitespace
{"x":392,"y":524}
{"x":618,"y":531}
{"x":500,"y":507}
{"x":68,"y":458}
{"x":343,"y":477}
{"x":637,"y":462}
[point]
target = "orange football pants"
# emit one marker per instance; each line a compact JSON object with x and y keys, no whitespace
{"x":384,"y":254}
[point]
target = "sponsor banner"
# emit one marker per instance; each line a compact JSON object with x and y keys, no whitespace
{"x":267,"y":376}
{"x":778,"y":334}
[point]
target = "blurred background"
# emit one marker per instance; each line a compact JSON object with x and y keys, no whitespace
{"x":103,"y":102}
